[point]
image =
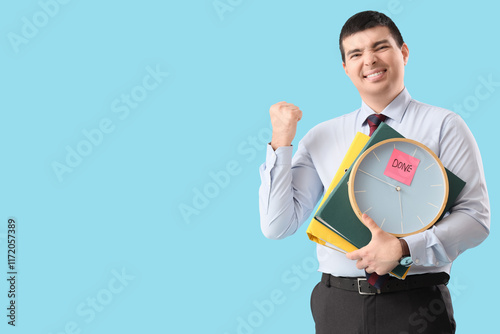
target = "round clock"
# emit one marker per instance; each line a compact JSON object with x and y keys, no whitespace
{"x":401,"y":184}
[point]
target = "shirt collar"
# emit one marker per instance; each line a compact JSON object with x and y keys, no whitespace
{"x":394,"y":110}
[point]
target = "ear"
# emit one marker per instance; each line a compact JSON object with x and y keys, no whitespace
{"x":405,"y":52}
{"x":345,"y":68}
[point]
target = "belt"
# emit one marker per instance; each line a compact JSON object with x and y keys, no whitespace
{"x":361,"y":285}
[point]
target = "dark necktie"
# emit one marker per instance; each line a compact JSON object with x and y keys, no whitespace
{"x":374,"y":279}
{"x":374,"y":120}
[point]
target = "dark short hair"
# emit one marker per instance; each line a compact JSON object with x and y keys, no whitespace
{"x":366,"y":20}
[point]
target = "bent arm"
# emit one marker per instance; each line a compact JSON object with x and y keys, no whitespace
{"x":289,"y":191}
{"x":468,"y":223}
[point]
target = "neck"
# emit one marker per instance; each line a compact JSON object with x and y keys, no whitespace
{"x":380,"y":101}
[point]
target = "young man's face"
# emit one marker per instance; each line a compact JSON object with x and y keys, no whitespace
{"x":375,"y":63}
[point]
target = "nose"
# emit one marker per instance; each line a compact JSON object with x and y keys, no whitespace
{"x":370,"y":58}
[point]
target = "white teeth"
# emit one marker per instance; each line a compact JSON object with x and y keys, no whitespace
{"x":374,"y":74}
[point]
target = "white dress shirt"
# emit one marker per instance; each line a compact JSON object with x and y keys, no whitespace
{"x":291,"y":187}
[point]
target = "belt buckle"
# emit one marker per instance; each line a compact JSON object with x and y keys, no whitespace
{"x":360,"y":279}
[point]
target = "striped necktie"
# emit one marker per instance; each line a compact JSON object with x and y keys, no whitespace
{"x":374,"y":120}
{"x":374,"y":279}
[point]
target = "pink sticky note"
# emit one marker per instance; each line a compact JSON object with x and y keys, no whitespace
{"x":401,"y":167}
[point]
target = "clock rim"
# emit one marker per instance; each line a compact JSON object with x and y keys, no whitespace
{"x":352,"y":176}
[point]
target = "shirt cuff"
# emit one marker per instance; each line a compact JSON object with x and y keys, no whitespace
{"x":417,"y":243}
{"x":413,"y":244}
{"x":282,"y":155}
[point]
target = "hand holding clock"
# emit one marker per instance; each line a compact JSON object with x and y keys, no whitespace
{"x":383,"y":252}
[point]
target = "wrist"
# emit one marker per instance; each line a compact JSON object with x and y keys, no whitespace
{"x":404,"y":247}
{"x":405,"y":260}
{"x":278,"y":143}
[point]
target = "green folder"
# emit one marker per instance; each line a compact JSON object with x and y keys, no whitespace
{"x":337,"y":213}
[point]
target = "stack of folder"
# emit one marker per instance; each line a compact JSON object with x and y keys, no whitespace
{"x":335,"y":224}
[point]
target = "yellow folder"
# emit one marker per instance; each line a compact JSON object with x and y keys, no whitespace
{"x":318,"y":232}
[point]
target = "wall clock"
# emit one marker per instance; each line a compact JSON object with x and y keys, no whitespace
{"x":401,"y":184}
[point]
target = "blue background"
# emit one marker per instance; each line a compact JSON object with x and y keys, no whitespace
{"x":111,"y":232}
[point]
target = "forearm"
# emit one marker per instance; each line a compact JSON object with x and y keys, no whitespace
{"x":449,"y":238}
{"x":468,"y":223}
{"x":287,"y":194}
{"x":278,"y":218}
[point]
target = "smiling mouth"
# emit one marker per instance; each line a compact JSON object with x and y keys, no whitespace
{"x":375,"y":74}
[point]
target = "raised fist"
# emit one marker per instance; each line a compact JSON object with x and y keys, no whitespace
{"x":284,"y":118}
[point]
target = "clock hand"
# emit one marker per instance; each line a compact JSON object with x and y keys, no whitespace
{"x":379,"y":179}
{"x":401,"y":207}
{"x":400,"y":203}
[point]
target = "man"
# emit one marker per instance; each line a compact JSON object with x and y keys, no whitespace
{"x":374,"y":56}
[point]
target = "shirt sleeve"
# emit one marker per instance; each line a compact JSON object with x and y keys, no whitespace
{"x":289,"y":190}
{"x":468,"y":222}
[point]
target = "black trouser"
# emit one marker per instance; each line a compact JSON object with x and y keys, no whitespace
{"x":423,"y":310}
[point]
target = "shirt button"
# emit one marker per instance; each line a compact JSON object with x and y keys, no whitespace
{"x":417,"y":261}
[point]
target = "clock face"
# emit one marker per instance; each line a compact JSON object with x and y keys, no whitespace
{"x":401,"y":184}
